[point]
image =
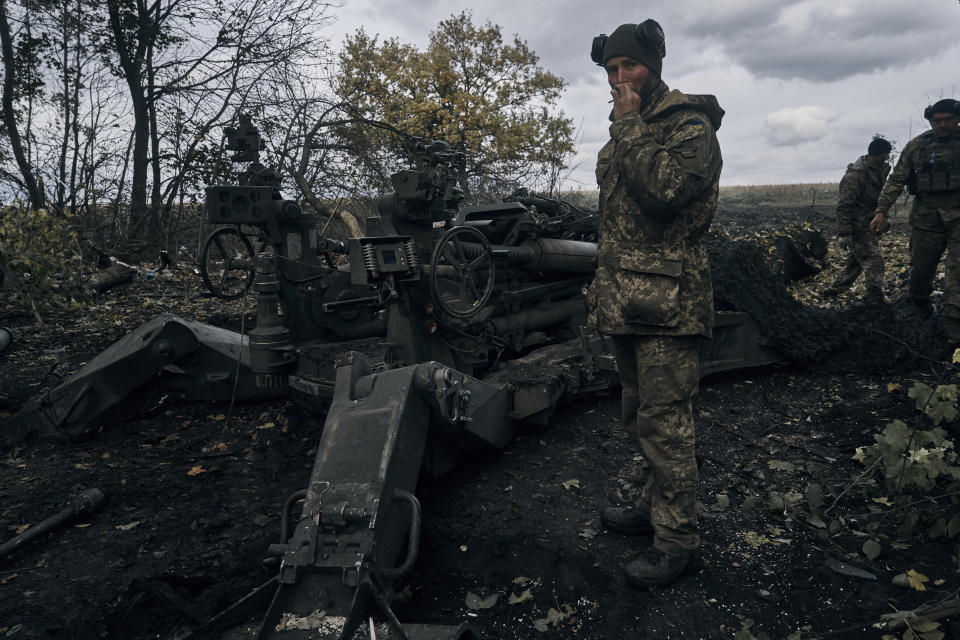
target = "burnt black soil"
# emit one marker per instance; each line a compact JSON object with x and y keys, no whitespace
{"x":194,"y":489}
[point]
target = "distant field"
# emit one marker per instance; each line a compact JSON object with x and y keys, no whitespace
{"x":824,"y":192}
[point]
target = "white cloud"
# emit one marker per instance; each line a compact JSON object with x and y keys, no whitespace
{"x":795,"y":125}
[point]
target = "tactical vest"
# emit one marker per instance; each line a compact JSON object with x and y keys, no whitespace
{"x":938,"y":167}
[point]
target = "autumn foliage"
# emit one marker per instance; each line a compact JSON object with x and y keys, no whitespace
{"x":469,"y":88}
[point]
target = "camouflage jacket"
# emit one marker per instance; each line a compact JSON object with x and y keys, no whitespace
{"x":659,"y":179}
{"x":936,"y":165}
{"x":859,"y":191}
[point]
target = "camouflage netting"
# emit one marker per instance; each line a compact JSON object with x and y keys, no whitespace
{"x":751,"y":275}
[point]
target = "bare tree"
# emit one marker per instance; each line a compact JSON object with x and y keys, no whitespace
{"x":210,"y":53}
{"x":35,"y":193}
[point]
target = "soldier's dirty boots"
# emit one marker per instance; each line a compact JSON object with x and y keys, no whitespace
{"x":630,"y":521}
{"x":921,"y":306}
{"x":950,"y":327}
{"x":658,"y":569}
{"x":874,"y":296}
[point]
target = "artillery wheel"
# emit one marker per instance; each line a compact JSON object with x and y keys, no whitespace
{"x":461,"y":281}
{"x":226,"y":263}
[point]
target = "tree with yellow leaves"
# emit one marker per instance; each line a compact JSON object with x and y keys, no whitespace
{"x":468,"y":88}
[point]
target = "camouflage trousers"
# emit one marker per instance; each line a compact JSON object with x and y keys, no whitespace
{"x":926,"y":248}
{"x":659,"y":376}
{"x":864,"y":257}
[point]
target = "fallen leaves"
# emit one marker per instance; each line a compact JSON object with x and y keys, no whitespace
{"x":196,"y":470}
{"x":554,"y":618}
{"x":722,"y":503}
{"x":475,"y":602}
{"x":754,"y":539}
{"x":290,"y":621}
{"x":911,"y":580}
{"x":128,"y":526}
{"x":780,"y":465}
{"x":527,"y":594}
{"x":588,"y":532}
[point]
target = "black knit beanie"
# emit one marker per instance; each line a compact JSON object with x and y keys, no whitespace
{"x":624,"y":42}
{"x":947,"y":105}
{"x":878,"y":147}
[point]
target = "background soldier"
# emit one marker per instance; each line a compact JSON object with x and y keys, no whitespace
{"x":659,"y":181}
{"x":929,"y":168}
{"x":859,"y":191}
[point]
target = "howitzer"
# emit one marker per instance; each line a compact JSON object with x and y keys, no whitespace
{"x":484,"y":310}
{"x":483,"y":316}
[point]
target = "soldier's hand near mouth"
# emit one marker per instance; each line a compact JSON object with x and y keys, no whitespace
{"x":625,"y":100}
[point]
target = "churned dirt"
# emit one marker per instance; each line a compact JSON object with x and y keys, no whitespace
{"x":512,"y":541}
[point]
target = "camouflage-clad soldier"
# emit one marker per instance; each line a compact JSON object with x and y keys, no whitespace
{"x":929,"y":167}
{"x":859,"y":190}
{"x":659,"y":181}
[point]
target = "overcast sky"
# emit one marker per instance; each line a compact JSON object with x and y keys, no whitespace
{"x":805,"y":83}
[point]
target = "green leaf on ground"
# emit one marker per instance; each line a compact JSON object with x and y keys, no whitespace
{"x":871,"y":548}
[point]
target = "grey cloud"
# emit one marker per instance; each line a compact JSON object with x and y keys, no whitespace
{"x":717,"y":18}
{"x":817,"y":62}
{"x":824,"y":42}
{"x":815,"y":40}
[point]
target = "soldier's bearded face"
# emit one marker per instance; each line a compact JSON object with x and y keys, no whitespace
{"x":624,"y":70}
{"x":944,"y":124}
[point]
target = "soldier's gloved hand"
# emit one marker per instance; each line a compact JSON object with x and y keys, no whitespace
{"x":844,"y":242}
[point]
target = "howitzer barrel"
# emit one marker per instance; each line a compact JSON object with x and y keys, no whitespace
{"x":544,"y":254}
{"x":554,"y":254}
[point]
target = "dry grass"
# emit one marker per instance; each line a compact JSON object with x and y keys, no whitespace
{"x":822,"y":192}
{"x":767,"y":194}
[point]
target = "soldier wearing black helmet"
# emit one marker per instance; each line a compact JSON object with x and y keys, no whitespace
{"x":929,"y":167}
{"x":659,"y":181}
{"x":859,"y":191}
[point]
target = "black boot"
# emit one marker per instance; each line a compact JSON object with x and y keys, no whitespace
{"x":922,"y":306}
{"x":874,"y":296}
{"x":631,"y":521}
{"x":662,"y":569}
